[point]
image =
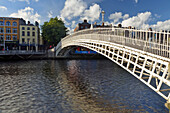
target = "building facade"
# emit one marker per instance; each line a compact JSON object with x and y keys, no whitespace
{"x":86,"y":25}
{"x":29,"y":37}
{"x":81,"y":26}
{"x":9,"y":32}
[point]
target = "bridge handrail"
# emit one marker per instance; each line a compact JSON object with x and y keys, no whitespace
{"x":155,"y":42}
{"x":113,"y":29}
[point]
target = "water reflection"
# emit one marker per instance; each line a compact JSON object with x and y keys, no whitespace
{"x":73,"y":86}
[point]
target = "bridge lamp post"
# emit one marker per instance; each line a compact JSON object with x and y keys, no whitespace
{"x":103,"y":13}
{"x":91,"y":27}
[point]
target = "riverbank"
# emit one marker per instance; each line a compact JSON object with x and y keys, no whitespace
{"x":48,"y":57}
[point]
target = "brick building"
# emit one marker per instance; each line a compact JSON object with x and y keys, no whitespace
{"x":81,"y":26}
{"x":9,"y":32}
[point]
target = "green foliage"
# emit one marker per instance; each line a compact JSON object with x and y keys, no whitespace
{"x":53,"y":31}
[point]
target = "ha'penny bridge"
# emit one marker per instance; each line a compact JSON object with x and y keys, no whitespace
{"x":144,"y":54}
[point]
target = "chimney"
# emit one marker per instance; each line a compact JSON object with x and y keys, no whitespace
{"x":28,"y":22}
{"x":85,"y":21}
{"x":36,"y":23}
{"x":102,"y":23}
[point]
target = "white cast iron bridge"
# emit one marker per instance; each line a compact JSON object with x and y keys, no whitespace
{"x":144,"y":54}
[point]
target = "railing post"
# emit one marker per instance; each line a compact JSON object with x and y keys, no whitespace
{"x":164,"y":43}
{"x":159,"y":43}
{"x":167,"y":44}
{"x":167,"y":104}
{"x":156,"y":43}
{"x":146,"y":40}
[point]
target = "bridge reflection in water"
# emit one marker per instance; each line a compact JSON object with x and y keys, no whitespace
{"x":144,"y":54}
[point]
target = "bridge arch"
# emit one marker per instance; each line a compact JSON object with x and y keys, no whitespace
{"x":141,"y":58}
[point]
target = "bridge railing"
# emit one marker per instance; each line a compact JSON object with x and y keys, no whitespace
{"x":156,"y":42}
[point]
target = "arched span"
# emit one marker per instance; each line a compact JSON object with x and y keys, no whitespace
{"x":130,"y":54}
{"x":65,"y":52}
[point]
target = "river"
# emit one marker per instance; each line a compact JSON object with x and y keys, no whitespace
{"x":73,"y":86}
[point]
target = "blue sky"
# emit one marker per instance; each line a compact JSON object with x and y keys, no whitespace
{"x":141,"y":14}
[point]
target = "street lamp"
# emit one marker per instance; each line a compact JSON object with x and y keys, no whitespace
{"x":103,"y":13}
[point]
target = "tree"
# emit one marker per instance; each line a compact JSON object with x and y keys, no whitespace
{"x":53,"y":31}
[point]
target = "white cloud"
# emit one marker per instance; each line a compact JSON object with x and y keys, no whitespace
{"x":139,"y":21}
{"x":117,"y":16}
{"x":50,"y":14}
{"x":92,"y":14}
{"x":3,"y":8}
{"x":165,"y":25}
{"x":157,"y":16}
{"x":126,"y":16}
{"x":63,"y":19}
{"x":70,"y":31}
{"x":73,"y":8}
{"x":73,"y":25}
{"x":136,"y":1}
{"x":27,"y":14}
{"x":107,"y":23}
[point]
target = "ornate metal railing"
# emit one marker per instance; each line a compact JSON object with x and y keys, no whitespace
{"x":156,"y":42}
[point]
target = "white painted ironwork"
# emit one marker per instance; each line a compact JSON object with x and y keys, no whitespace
{"x":144,"y":54}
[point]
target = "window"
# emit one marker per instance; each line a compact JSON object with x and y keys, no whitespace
{"x":33,"y":33}
{"x":14,"y":37}
{"x":1,"y":23}
{"x":33,"y":41}
{"x":8,"y":30}
{"x":14,"y":30}
{"x":81,"y":27}
{"x":85,"y":27}
{"x":28,"y":28}
{"x":23,"y":28}
{"x":28,"y":33}
{"x":33,"y":28}
{"x":23,"y":40}
{"x":1,"y":37}
{"x":23,"y":33}
{"x":8,"y":37}
{"x":14,"y":24}
{"x":8,"y":23}
{"x":28,"y":41}
{"x":1,"y":30}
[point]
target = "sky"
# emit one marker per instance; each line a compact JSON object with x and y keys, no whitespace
{"x":141,"y":14}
